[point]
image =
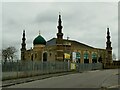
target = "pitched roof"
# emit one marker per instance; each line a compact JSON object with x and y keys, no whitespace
{"x":73,"y":42}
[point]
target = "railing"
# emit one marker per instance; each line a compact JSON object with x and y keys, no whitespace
{"x":88,"y":67}
{"x":25,"y":69}
{"x":112,"y":65}
{"x":12,"y":70}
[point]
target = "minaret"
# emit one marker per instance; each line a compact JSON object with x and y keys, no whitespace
{"x":59,"y":34}
{"x":108,"y":43}
{"x":23,"y":49}
{"x":59,"y":41}
{"x":108,"y":48}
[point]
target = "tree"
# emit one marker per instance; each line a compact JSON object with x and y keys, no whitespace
{"x":114,"y":56}
{"x":8,"y":53}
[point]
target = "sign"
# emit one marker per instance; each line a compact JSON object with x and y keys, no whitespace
{"x":74,"y":56}
{"x":66,"y":56}
{"x":73,"y":66}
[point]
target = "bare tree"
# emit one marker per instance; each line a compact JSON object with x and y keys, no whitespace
{"x":8,"y":53}
{"x":114,"y":56}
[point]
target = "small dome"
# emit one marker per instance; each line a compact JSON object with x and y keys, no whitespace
{"x":39,"y":40}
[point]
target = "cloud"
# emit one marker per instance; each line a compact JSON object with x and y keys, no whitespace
{"x":61,"y":1}
{"x":45,"y":17}
{"x":84,"y":22}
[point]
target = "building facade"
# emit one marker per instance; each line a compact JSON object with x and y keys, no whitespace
{"x":59,"y":49}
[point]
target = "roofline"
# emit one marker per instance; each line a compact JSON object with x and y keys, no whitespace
{"x":100,"y":48}
{"x":73,"y":41}
{"x":51,"y":39}
{"x":79,"y":43}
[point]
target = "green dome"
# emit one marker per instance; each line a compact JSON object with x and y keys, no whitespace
{"x":39,"y":40}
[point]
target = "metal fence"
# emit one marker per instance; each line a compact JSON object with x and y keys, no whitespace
{"x":88,"y":67}
{"x":12,"y":70}
{"x":35,"y":66}
{"x":113,"y":65}
{"x":20,"y":69}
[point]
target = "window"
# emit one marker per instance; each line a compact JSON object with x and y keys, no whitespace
{"x":50,"y":54}
{"x":36,"y":55}
{"x":94,"y":56}
{"x":86,"y":55}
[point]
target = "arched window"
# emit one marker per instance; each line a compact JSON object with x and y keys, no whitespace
{"x":86,"y":57}
{"x":78,"y":57}
{"x":94,"y":58}
{"x":50,"y":54}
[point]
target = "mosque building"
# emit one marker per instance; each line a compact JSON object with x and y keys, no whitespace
{"x":59,"y":49}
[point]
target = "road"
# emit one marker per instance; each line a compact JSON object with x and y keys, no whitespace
{"x":89,"y":79}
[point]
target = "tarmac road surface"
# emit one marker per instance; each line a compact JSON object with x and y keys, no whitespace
{"x":89,"y":79}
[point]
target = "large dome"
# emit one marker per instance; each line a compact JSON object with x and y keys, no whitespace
{"x":39,"y":40}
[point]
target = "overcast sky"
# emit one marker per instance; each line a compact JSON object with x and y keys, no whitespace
{"x":85,"y":22}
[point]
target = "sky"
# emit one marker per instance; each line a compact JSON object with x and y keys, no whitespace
{"x":85,"y":22}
